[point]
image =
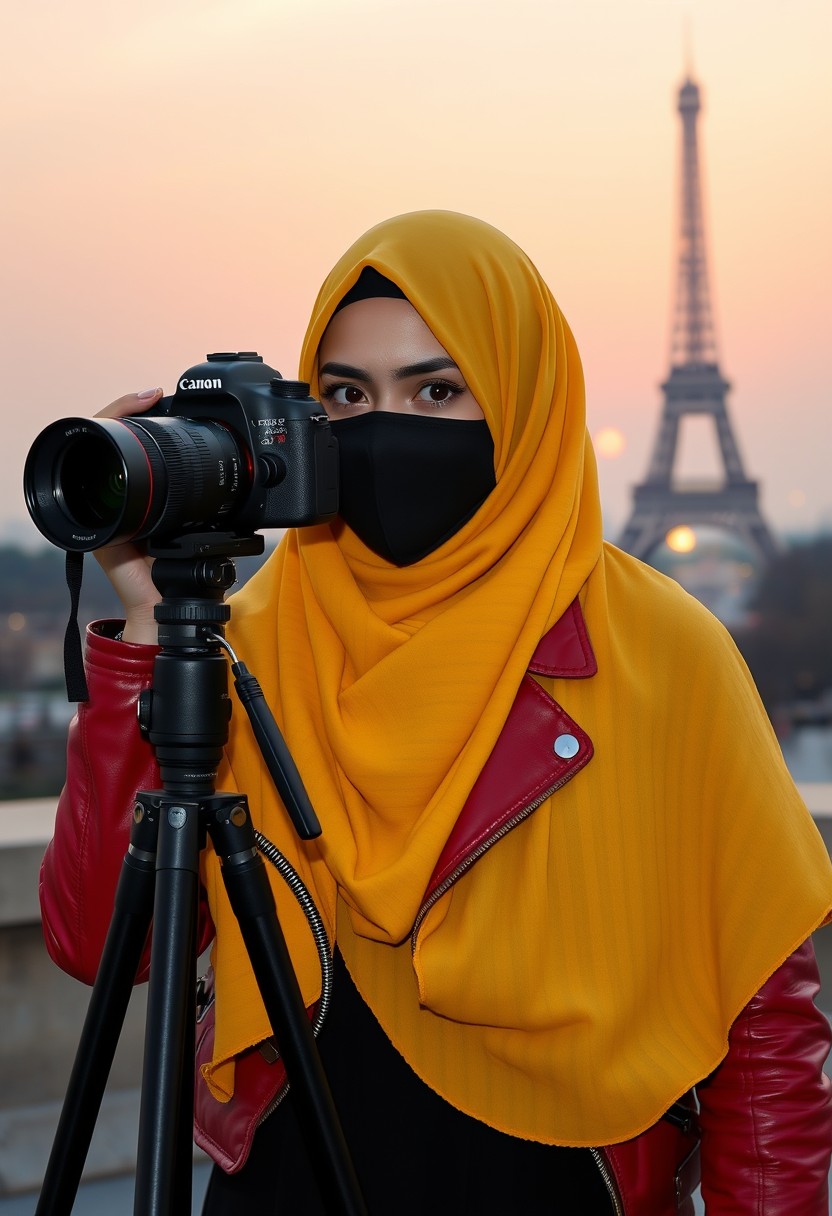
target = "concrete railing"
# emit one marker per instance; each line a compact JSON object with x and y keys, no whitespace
{"x":43,"y":1011}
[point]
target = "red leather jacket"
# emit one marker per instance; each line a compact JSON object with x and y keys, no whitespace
{"x":764,"y":1116}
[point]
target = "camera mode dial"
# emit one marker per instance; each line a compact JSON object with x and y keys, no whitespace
{"x":288,"y":389}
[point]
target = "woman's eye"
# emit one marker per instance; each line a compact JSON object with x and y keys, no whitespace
{"x":438,"y":392}
{"x":344,"y":394}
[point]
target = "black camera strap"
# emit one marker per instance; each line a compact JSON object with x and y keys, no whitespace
{"x":76,"y":680}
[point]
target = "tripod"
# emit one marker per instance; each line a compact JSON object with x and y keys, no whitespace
{"x":185,"y":715}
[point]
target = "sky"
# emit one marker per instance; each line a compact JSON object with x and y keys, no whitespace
{"x":180,"y":175}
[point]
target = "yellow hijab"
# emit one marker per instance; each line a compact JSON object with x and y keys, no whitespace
{"x":391,"y":686}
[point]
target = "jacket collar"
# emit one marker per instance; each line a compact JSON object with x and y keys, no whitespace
{"x":566,"y":649}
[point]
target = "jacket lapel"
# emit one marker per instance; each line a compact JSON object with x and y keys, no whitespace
{"x":539,"y":749}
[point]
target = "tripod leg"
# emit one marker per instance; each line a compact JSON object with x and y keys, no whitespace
{"x":185,"y":1130}
{"x":253,"y":904}
{"x":110,"y":997}
{"x":163,"y":1183}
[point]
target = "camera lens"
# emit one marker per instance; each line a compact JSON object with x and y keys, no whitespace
{"x":90,"y":483}
{"x":92,"y":480}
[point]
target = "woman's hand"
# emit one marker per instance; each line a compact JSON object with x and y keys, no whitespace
{"x":126,"y":566}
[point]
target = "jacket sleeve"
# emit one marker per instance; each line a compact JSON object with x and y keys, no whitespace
{"x":766,"y":1112}
{"x":108,"y":761}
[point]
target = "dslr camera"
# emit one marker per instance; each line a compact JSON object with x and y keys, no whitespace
{"x":235,"y":449}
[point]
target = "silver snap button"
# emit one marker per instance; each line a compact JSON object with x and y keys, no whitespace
{"x":566,"y":746}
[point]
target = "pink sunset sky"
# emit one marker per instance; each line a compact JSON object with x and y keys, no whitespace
{"x":179,"y":176}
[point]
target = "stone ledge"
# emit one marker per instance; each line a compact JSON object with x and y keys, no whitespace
{"x":25,"y":830}
{"x":27,"y":1134}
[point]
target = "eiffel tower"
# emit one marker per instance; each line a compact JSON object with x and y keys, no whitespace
{"x":695,"y":386}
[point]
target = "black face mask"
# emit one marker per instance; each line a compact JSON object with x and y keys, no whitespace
{"x":409,"y":483}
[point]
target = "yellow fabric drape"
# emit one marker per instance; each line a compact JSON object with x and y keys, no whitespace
{"x":564,"y":952}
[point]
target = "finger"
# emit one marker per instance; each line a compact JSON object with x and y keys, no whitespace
{"x":128,"y":570}
{"x":130,"y":403}
{"x":113,"y":557}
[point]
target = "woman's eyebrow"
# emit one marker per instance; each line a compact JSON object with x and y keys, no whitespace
{"x":344,"y":369}
{"x":423,"y":368}
{"x":439,"y":364}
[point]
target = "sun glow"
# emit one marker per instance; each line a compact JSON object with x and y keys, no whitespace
{"x":681,"y":539}
{"x":609,"y":442}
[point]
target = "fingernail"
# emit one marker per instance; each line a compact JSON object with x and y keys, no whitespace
{"x":148,"y":392}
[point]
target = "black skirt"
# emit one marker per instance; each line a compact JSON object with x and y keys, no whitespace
{"x":412,"y":1151}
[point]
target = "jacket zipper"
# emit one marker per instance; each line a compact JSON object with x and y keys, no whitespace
{"x":466,"y":864}
{"x":273,"y":1105}
{"x":609,"y":1182}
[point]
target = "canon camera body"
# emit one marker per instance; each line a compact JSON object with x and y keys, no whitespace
{"x":235,"y":449}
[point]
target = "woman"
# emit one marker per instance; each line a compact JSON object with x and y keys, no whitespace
{"x":567,"y":877}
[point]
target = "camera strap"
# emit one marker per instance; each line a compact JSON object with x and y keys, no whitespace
{"x":76,"y":681}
